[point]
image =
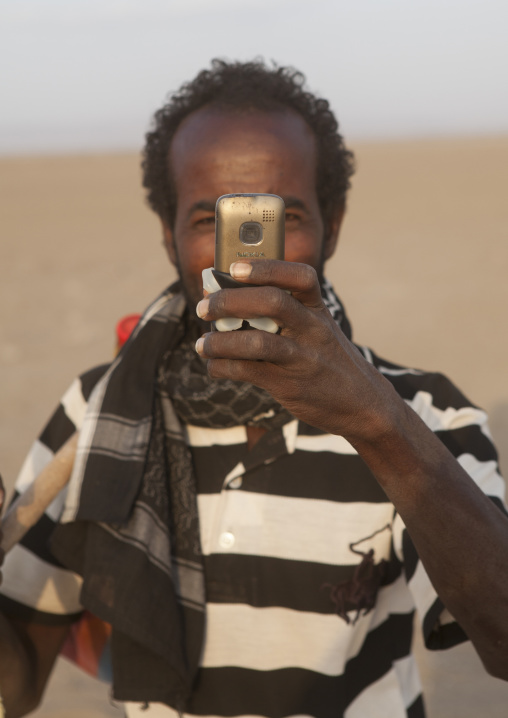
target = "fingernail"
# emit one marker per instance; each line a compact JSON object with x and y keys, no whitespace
{"x":240,"y":270}
{"x":202,"y":308}
{"x":199,"y":345}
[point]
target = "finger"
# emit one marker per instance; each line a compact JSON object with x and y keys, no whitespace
{"x":299,"y":279}
{"x":247,"y":345}
{"x":251,"y":303}
{"x":252,"y":372}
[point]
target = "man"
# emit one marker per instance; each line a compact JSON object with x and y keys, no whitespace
{"x":257,"y":516}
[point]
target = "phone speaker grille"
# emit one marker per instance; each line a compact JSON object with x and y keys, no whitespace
{"x":268,"y":215}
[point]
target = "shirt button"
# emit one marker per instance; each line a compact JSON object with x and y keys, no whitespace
{"x":226,"y":540}
{"x":236,"y":483}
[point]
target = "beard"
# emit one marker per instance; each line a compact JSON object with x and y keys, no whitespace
{"x":192,"y":290}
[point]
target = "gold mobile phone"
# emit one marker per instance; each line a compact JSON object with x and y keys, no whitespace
{"x":246,"y":225}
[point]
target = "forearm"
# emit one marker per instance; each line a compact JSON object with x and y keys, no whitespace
{"x":460,"y":535}
{"x":27,"y":654}
{"x":17,"y":672}
{"x":321,"y":378}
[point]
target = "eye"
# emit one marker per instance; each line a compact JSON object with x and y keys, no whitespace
{"x":205,"y":221}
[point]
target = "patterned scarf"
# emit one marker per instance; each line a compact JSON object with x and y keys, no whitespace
{"x":130,"y":526}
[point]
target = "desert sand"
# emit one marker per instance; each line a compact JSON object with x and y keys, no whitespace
{"x":422,"y":267}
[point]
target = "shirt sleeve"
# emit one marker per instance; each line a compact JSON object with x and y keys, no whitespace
{"x":464,"y":430}
{"x":35,"y":585}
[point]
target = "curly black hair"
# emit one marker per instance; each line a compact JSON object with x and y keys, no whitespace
{"x":240,"y":86}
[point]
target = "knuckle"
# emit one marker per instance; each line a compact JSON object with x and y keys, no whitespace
{"x":218,"y":302}
{"x":225,"y":369}
{"x":277,"y":299}
{"x":308,"y":277}
{"x":215,"y":368}
{"x":292,"y":352}
{"x":259,"y":342}
{"x":269,"y":269}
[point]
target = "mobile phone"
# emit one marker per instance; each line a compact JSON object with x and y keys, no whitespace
{"x":246,"y":225}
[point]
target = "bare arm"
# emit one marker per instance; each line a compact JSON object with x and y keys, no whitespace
{"x":312,"y":369}
{"x":28,"y":650}
{"x":460,"y":535}
{"x":27,"y":654}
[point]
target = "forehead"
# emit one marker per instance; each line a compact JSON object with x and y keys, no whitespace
{"x":226,"y":148}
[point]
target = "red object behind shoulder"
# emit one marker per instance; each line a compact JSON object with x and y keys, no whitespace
{"x":125,"y":327}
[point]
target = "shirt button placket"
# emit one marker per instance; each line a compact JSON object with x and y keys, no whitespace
{"x":226,"y":540}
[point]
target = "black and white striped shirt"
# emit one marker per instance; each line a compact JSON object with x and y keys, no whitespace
{"x":277,"y":524}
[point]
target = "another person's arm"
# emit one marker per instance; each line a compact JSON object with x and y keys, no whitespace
{"x":39,"y":599}
{"x":27,"y":654}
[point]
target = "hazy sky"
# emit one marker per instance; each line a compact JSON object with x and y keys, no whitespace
{"x":88,"y":74}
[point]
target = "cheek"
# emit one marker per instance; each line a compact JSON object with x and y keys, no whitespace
{"x":303,"y":248}
{"x":193,"y":257}
{"x":196,"y":255}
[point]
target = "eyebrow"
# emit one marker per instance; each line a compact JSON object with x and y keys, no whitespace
{"x":203,"y":205}
{"x":295,"y":203}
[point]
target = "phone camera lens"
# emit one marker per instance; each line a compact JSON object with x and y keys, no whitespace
{"x":251,"y":233}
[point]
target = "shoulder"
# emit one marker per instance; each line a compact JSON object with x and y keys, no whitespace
{"x":460,"y":424}
{"x":89,"y":379}
{"x":69,"y":413}
{"x":410,"y":382}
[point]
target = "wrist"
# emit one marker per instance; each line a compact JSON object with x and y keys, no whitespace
{"x":390,"y":437}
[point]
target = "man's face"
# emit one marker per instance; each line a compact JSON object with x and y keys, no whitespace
{"x":215,"y":152}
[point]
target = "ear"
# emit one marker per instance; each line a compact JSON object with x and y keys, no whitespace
{"x":332,"y":233}
{"x":169,"y":244}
